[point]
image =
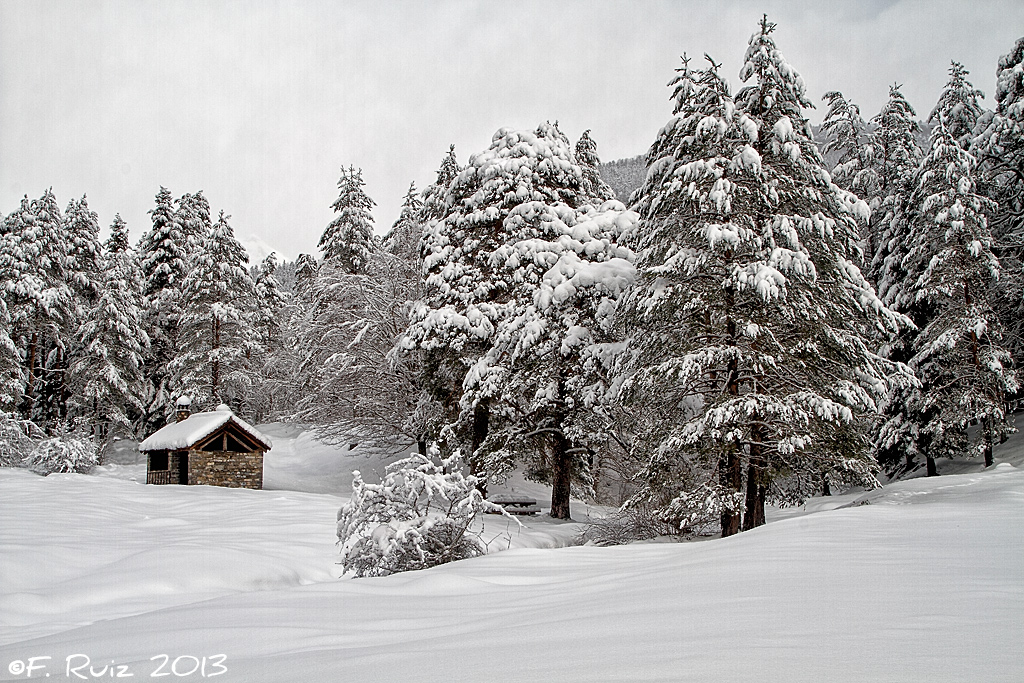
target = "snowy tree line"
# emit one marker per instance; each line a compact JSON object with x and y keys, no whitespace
{"x":98,"y":340}
{"x":757,"y":325}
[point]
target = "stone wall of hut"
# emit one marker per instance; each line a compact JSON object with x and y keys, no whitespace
{"x":226,"y":468}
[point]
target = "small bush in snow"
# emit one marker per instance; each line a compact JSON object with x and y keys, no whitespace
{"x":62,"y":454}
{"x":15,"y":443}
{"x":417,"y":517}
{"x":630,"y":524}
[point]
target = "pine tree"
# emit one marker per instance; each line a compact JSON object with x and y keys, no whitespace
{"x":958,"y":106}
{"x":897,"y":156}
{"x":106,"y":375}
{"x":33,"y":273}
{"x":404,"y":238}
{"x":268,"y":395}
{"x":595,"y":189}
{"x":306,"y":270}
{"x":752,"y":327}
{"x":1000,"y":150}
{"x":163,"y":262}
{"x":847,"y":138}
{"x":434,"y":203}
{"x":12,"y":378}
{"x":965,"y":372}
{"x":84,"y":260}
{"x":349,"y":238}
{"x":193,"y":215}
{"x":215,"y":332}
{"x":465,"y":294}
{"x":118,"y":240}
{"x":549,"y":366}
{"x":269,"y":300}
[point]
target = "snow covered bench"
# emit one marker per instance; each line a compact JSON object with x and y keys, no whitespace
{"x":516,"y":505}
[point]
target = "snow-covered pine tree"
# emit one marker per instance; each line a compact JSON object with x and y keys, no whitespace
{"x":269,"y":395}
{"x":965,"y":372}
{"x":268,"y":302}
{"x":548,"y":369}
{"x":958,"y":106}
{"x":12,"y":377}
{"x":403,"y":240}
{"x":594,"y":188}
{"x":847,"y":139}
{"x":1000,"y":149}
{"x":440,"y":372}
{"x":349,"y":238}
{"x":51,"y":403}
{"x":434,"y":206}
{"x":216,"y":335}
{"x":193,"y":214}
{"x":33,"y":260}
{"x":466,"y":294}
{"x":752,"y":327}
{"x":163,"y":262}
{"x":306,"y":270}
{"x":118,"y":240}
{"x":106,"y":375}
{"x":84,"y":254}
{"x":896,"y":158}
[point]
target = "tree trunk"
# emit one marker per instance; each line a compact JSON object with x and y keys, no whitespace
{"x":756,"y":483}
{"x":215,"y":366}
{"x":561,"y":477}
{"x":731,"y":466}
{"x":421,"y":447}
{"x":481,"y":422}
{"x":826,"y":490}
{"x":731,"y":477}
{"x":987,"y":435}
{"x":27,"y":400}
{"x":933,"y":471}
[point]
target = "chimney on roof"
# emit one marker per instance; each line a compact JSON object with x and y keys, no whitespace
{"x":183,"y":408}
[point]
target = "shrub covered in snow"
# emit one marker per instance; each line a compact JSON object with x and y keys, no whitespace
{"x":62,"y":454}
{"x":15,"y":443}
{"x":419,"y":516}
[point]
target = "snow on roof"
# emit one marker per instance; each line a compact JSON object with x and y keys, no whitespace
{"x":197,"y":427}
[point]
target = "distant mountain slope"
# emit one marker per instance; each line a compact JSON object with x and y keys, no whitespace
{"x":624,"y":175}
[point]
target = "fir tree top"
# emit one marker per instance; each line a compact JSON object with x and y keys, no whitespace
{"x":846,"y":133}
{"x":594,"y":187}
{"x":1010,"y":83}
{"x":404,"y":237}
{"x":434,"y":207}
{"x":162,"y":250}
{"x":958,"y":105}
{"x":118,"y":240}
{"x":349,"y":238}
{"x":83,"y":248}
{"x":780,"y":90}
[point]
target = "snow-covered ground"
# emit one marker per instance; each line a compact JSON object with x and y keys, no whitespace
{"x":922,"y":580}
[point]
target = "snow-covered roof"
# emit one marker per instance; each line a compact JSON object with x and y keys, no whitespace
{"x":196,"y":427}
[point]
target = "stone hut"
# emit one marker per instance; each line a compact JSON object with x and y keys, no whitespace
{"x":216,"y":448}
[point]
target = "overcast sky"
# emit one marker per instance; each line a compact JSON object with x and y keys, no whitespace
{"x":260,"y":104}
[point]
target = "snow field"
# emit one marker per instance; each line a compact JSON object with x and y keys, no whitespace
{"x":922,"y":580}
